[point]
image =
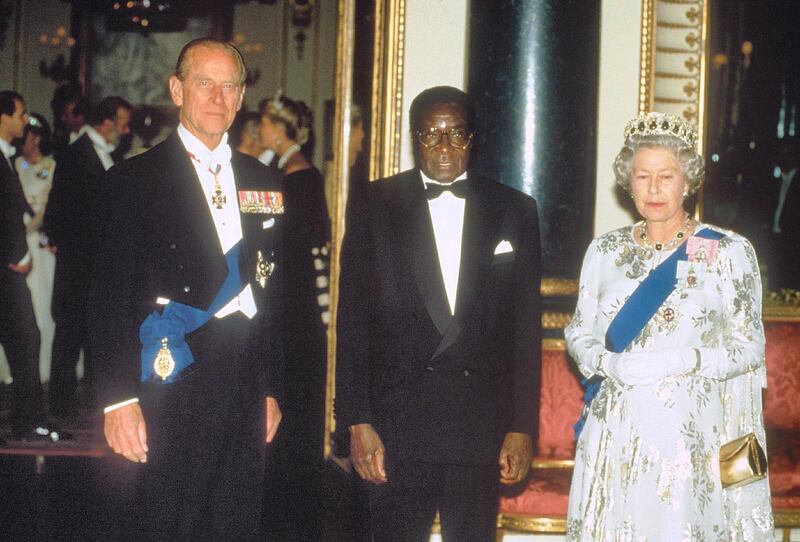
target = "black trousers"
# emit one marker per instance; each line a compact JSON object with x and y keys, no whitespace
{"x":19,"y":336}
{"x":70,"y":292}
{"x":203,"y":479}
{"x":466,"y":497}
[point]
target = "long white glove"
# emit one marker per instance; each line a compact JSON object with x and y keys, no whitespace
{"x":650,"y":367}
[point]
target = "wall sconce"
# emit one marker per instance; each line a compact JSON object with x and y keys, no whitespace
{"x":302,"y":11}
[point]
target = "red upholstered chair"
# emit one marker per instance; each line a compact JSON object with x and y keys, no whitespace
{"x":542,"y":505}
{"x":782,"y":419}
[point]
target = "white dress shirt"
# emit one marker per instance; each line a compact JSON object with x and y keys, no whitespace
{"x":8,"y":151}
{"x":787,"y":177}
{"x":447,"y":217}
{"x":102,"y":148}
{"x":226,"y":220}
{"x":73,"y":136}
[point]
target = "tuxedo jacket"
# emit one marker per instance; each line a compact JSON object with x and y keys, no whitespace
{"x":156,"y":238}
{"x":13,"y":206}
{"x":439,"y":387}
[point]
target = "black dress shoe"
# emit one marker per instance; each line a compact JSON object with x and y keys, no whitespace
{"x":43,"y":433}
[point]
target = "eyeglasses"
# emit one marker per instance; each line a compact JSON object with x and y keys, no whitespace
{"x":457,"y":137}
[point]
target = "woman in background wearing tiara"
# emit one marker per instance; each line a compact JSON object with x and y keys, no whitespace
{"x":668,"y":331}
{"x":295,"y":498}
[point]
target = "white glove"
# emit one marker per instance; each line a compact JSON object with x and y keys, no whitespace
{"x":650,"y":367}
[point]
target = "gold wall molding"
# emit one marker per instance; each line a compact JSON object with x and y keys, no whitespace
{"x":647,"y":54}
{"x":387,"y":88}
{"x":674,"y":53}
{"x":343,"y":97}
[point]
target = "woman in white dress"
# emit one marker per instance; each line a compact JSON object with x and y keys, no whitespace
{"x":678,"y":372}
{"x":35,"y":169}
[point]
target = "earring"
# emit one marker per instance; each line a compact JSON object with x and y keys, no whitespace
{"x":685,"y":195}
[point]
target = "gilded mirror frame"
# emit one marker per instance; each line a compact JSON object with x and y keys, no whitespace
{"x":673,"y":78}
{"x":384,"y":134}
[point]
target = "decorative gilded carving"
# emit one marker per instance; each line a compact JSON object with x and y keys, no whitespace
{"x":559,"y":345}
{"x":530,"y":524}
{"x":555,"y":320}
{"x":558,"y":287}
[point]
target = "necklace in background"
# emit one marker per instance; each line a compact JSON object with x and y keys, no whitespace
{"x":672,"y":243}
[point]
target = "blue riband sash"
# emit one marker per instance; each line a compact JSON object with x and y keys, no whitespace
{"x":643,"y":303}
{"x":177,"y":320}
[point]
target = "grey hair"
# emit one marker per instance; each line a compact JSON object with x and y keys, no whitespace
{"x":692,"y":164}
{"x":182,"y":66}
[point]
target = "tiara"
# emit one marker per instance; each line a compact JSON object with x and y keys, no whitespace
{"x":276,"y":102}
{"x":655,"y":123}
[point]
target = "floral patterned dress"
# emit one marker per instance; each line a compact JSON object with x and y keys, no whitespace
{"x":647,"y":460}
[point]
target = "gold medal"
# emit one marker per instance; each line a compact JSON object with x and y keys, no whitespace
{"x":164,"y":363}
{"x":218,"y":199}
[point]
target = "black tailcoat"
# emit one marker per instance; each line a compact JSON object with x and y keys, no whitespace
{"x":71,"y":207}
{"x":156,"y":238}
{"x":19,"y":334}
{"x":437,"y":387}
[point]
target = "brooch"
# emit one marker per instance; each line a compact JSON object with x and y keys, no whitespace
{"x":264,"y":269}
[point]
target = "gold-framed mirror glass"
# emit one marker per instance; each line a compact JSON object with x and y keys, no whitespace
{"x":731,"y":68}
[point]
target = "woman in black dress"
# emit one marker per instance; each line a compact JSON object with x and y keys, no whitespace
{"x":307,"y":498}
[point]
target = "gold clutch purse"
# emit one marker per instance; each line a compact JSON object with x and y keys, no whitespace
{"x":742,"y":461}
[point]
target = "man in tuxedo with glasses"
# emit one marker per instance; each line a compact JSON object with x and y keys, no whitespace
{"x":438,"y":334}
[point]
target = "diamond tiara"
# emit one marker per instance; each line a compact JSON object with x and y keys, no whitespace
{"x":655,"y":123}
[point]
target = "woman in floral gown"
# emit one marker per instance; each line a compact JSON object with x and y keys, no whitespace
{"x":673,"y":382}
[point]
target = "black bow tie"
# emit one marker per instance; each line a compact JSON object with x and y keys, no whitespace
{"x":459,"y":189}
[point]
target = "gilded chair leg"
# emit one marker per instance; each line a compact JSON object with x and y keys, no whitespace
{"x":500,"y":533}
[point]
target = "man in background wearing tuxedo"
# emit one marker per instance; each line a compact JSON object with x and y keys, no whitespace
{"x":438,"y":362}
{"x":19,"y":334}
{"x":71,"y":208}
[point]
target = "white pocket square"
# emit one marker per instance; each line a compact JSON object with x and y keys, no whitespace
{"x":503,"y":247}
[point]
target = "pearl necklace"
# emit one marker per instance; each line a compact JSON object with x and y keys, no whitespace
{"x":672,"y":243}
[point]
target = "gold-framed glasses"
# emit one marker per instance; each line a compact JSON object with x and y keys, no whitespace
{"x":457,"y":137}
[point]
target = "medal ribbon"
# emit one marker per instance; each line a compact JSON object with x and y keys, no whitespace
{"x":177,"y":320}
{"x":217,"y":198}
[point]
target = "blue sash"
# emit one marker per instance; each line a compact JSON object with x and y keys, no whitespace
{"x":178,"y":320}
{"x":631,"y":319}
